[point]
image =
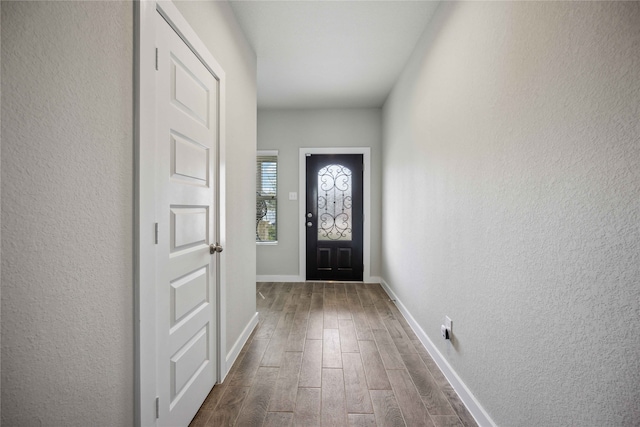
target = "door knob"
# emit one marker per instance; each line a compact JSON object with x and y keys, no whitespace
{"x":215,"y":248}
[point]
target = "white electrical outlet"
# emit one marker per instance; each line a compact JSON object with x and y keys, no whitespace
{"x":445,"y":332}
{"x":448,"y":323}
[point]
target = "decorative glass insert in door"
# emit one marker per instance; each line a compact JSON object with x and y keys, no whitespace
{"x":334,"y":203}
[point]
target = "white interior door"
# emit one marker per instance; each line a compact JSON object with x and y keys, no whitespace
{"x":186,"y":149}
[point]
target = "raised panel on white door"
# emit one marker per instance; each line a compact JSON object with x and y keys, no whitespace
{"x":189,"y":92}
{"x":190,"y":160}
{"x":187,"y":363}
{"x":189,"y":294}
{"x":189,"y":227}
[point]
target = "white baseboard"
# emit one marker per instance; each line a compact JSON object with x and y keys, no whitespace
{"x":237,"y":347}
{"x":374,"y":279}
{"x":475,"y":408}
{"x":279,"y":278}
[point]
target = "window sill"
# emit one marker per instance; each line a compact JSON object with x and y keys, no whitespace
{"x":275,"y":243}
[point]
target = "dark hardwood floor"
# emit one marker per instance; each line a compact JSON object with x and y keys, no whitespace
{"x":332,"y":354}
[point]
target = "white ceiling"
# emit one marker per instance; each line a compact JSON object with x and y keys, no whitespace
{"x":315,"y":54}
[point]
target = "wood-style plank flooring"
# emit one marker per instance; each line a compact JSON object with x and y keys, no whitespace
{"x":332,"y":354}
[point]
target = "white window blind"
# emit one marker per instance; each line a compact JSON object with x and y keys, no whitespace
{"x":266,"y":196}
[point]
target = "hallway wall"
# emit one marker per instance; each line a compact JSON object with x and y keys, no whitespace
{"x":290,"y":130}
{"x":67,"y":214}
{"x":511,"y":203}
{"x":68,"y":200}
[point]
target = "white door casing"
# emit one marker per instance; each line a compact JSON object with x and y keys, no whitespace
{"x":180,"y":186}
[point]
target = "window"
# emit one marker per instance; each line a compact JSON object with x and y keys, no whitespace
{"x":266,"y":196}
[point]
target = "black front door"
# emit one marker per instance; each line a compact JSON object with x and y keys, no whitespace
{"x":334,"y":217}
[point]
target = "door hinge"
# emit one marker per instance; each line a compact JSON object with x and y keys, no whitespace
{"x":157,"y":408}
{"x":156,"y":59}
{"x":156,"y":233}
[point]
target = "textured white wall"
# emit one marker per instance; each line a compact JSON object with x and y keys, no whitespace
{"x":67,"y":204}
{"x":288,"y":131}
{"x":67,"y":209}
{"x":216,"y":25}
{"x":511,"y":182}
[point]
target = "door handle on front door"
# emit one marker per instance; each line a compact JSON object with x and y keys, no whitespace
{"x":215,"y":248}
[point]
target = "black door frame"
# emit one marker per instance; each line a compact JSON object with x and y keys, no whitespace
{"x":366,"y":193}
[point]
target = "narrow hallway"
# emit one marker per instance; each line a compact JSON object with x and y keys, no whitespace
{"x":332,"y":354}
